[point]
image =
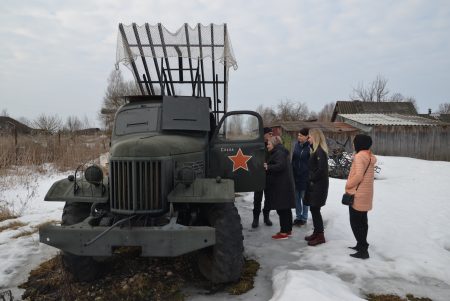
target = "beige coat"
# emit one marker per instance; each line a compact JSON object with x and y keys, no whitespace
{"x":364,"y":194}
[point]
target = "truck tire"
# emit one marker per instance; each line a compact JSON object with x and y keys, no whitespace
{"x":224,"y":261}
{"x":83,"y":268}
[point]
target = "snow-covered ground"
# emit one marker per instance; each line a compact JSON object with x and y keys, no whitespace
{"x":409,"y":241}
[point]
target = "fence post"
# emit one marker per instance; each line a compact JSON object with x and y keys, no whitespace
{"x":15,"y":143}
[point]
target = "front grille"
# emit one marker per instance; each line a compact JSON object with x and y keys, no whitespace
{"x":139,"y":186}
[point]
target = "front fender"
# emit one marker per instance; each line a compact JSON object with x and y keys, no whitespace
{"x":63,"y":191}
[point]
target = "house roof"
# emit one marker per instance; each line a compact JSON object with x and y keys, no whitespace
{"x":365,"y":107}
{"x":391,"y":119}
{"x":437,"y":116}
{"x":295,"y":126}
{"x":7,"y":122}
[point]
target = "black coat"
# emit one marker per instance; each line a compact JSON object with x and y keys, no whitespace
{"x":279,"y":190}
{"x":317,"y":190}
{"x":300,"y":159}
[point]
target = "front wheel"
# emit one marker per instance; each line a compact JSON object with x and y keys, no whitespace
{"x":83,"y":268}
{"x":224,"y":261}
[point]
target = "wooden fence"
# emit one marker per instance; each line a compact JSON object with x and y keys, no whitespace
{"x":422,"y":142}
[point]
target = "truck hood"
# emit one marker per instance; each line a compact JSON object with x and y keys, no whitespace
{"x":155,"y":145}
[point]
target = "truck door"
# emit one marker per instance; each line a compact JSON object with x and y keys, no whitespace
{"x":237,"y":151}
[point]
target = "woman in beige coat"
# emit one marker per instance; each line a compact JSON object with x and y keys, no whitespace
{"x":360,"y":184}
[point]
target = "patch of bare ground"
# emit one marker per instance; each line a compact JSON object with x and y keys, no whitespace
{"x":409,"y":297}
{"x":130,"y":278}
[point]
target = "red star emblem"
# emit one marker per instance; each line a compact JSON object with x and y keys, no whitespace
{"x":239,"y":160}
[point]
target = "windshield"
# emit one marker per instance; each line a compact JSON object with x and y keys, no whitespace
{"x":137,"y":120}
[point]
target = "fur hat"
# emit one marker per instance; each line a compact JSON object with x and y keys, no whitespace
{"x":267,"y":130}
{"x":362,"y":142}
{"x":304,"y":131}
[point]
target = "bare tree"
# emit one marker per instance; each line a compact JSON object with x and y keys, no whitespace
{"x":327,"y":112}
{"x":86,"y":123}
{"x":287,"y":110}
{"x":376,"y":91}
{"x":444,"y":108}
{"x":381,"y":91}
{"x":73,"y":123}
{"x":268,"y":115}
{"x":114,"y":97}
{"x":399,"y":97}
{"x":235,"y":126}
{"x":50,"y":124}
{"x":292,"y":111}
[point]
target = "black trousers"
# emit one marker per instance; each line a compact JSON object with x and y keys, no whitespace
{"x":317,"y":219}
{"x":285,"y":220}
{"x":360,"y":227}
{"x":257,"y":200}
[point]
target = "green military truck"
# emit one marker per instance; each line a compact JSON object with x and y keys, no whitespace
{"x":177,"y":158}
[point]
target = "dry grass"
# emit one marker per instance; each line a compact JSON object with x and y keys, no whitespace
{"x":247,"y":280}
{"x":23,"y":233}
{"x":33,"y":229}
{"x":65,"y":151}
{"x":6,"y":213}
{"x":409,"y":297}
{"x":12,"y":226}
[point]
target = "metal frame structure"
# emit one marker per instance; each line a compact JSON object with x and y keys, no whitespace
{"x":168,"y":76}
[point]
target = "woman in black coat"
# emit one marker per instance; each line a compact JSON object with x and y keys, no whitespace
{"x":317,"y":190}
{"x":279,"y":193}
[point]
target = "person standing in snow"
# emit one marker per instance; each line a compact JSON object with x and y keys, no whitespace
{"x":360,"y":184}
{"x":258,"y":195}
{"x":317,"y":189}
{"x":300,"y":158}
{"x":280,"y":194}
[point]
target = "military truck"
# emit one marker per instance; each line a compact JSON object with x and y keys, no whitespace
{"x":177,"y":158}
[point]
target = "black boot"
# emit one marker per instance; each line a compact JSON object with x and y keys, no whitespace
{"x":267,"y":220}
{"x":361,"y":254}
{"x":255,"y":222}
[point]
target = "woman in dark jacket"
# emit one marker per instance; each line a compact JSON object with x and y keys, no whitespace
{"x":300,"y":158}
{"x":280,"y":195}
{"x":317,"y":190}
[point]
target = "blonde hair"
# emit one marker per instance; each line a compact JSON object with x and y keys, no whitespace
{"x":275,"y":140}
{"x":319,"y":140}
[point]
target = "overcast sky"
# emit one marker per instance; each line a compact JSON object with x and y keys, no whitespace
{"x":55,"y":56}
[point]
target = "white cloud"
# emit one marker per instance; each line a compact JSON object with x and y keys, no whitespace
{"x":313,"y":51}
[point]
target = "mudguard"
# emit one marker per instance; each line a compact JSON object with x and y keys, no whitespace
{"x":63,"y":191}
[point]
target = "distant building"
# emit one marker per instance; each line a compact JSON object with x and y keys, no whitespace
{"x":404,"y":135}
{"x":88,"y":131}
{"x":338,"y":134}
{"x":367,"y":107}
{"x":8,"y":125}
{"x":437,"y":116}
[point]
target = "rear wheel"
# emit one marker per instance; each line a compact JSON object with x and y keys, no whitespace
{"x":224,"y":261}
{"x":83,"y":268}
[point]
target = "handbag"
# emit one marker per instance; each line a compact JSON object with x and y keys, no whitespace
{"x":347,"y":198}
